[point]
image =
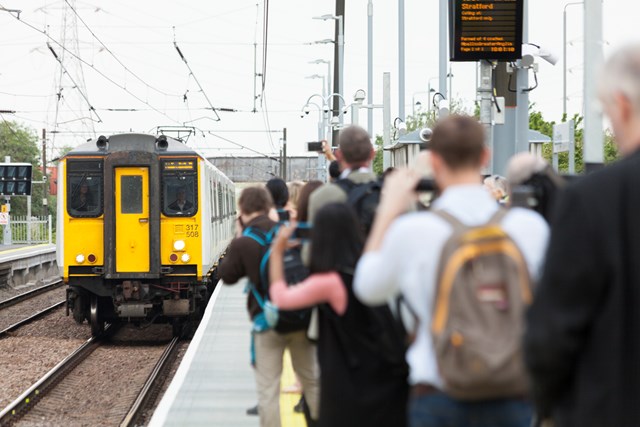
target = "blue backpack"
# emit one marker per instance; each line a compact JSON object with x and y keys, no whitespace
{"x":282,"y":321}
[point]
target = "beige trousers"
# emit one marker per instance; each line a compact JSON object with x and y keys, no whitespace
{"x":269,"y":347}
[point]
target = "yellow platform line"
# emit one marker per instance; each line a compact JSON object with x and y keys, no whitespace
{"x":288,"y":417}
{"x":8,"y":251}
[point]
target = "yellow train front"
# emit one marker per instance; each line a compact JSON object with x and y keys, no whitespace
{"x":142,"y":223}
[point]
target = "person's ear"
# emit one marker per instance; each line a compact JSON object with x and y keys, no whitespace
{"x":484,"y":158}
{"x":372,"y":155}
{"x":339,"y":156}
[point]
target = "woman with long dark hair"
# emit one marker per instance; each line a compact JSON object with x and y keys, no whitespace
{"x":359,"y":385}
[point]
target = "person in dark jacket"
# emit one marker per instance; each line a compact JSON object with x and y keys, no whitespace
{"x":243,"y":260}
{"x":582,"y":345}
{"x":362,"y":381}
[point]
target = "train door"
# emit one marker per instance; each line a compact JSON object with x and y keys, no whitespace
{"x":132,"y":219}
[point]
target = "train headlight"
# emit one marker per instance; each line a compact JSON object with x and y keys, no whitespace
{"x":79,"y":258}
{"x":179,"y":245}
{"x":185,"y":258}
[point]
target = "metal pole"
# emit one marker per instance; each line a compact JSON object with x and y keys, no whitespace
{"x":522,"y":108}
{"x":572,"y":147}
{"x":593,"y":59}
{"x":284,"y":154}
{"x":401,"y":90}
{"x":386,"y":118}
{"x":45,"y":201}
{"x":444,"y":16}
{"x":341,"y":58}
{"x":485,"y":107}
{"x":370,"y":67}
{"x":564,"y":57}
{"x":50,"y":226}
{"x":29,"y":220}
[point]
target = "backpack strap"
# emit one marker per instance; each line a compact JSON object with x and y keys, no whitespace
{"x":456,"y":224}
{"x":497,"y":217}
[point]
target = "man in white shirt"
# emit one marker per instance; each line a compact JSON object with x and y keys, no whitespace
{"x":402,"y":255}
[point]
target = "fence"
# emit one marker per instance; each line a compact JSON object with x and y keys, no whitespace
{"x":29,"y":231}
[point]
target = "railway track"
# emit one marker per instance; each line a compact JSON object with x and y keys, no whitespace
{"x":103,"y":382}
{"x":24,"y":308}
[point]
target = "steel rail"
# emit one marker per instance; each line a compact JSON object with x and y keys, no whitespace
{"x":27,"y":295}
{"x":31,"y":318}
{"x":147,"y":391}
{"x":30,"y":397}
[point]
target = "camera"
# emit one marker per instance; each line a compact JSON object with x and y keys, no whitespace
{"x":302,"y":231}
{"x":426,"y":185}
{"x":315,"y":146}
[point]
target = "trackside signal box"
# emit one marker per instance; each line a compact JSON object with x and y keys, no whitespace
{"x":15,"y":179}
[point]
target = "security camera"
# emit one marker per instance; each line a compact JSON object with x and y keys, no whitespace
{"x":402,"y":128}
{"x":426,"y":134}
{"x":325,"y":110}
{"x":530,"y":51}
{"x":359,"y":96}
{"x":345,"y":110}
{"x":305,"y":109}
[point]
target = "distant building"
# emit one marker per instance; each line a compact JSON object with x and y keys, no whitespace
{"x":261,"y":169}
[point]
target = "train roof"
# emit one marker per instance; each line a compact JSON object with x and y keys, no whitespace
{"x":132,"y":142}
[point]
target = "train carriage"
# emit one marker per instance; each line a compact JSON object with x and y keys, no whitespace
{"x":142,"y":223}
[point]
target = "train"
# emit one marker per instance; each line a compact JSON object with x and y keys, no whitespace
{"x":142,"y":223}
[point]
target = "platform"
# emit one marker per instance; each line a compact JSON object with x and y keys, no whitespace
{"x":27,"y":265}
{"x":214,"y":384}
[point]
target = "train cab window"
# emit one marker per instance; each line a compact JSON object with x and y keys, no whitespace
{"x":131,"y":194}
{"x":179,"y":188}
{"x":84,"y":189}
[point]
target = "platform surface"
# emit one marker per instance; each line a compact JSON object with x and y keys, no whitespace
{"x":214,"y":384}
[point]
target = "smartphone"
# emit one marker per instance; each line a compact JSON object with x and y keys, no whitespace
{"x":302,"y":231}
{"x":315,"y":146}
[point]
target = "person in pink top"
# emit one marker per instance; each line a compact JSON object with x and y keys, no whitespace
{"x":360,"y":384}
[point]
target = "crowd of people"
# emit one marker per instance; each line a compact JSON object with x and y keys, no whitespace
{"x":502,"y":302}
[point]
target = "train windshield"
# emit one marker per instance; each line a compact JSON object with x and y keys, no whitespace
{"x":179,"y":188}
{"x":84,"y":188}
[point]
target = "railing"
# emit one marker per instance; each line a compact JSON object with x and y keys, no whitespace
{"x":37,"y":229}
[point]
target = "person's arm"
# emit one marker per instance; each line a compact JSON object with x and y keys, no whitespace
{"x":326,"y":149}
{"x":232,"y":268}
{"x":316,"y":289}
{"x":376,"y":274}
{"x":567,"y":300}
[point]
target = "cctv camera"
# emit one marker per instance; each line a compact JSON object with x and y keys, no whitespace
{"x":402,"y":128}
{"x":305,"y":109}
{"x":345,"y":110}
{"x":530,"y":51}
{"x":548,"y":56}
{"x":325,"y":110}
{"x":425,"y":135}
{"x":359,"y":96}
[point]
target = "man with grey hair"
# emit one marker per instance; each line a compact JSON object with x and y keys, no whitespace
{"x":355,"y":153}
{"x":583,"y":338}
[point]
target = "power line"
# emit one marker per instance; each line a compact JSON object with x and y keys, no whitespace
{"x":74,"y":83}
{"x":196,"y":80}
{"x":242,"y":146}
{"x":95,"y":69}
{"x":115,"y":57}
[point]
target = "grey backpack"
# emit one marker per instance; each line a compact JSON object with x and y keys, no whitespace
{"x":483,"y":290}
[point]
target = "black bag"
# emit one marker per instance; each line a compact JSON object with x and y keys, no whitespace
{"x":295,"y":272}
{"x":364,"y":198}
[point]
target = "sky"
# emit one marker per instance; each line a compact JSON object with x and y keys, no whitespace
{"x":122,"y":72}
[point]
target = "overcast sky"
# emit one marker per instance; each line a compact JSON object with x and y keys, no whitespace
{"x":132,"y":47}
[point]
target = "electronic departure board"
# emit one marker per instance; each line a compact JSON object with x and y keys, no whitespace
{"x":485,"y":29}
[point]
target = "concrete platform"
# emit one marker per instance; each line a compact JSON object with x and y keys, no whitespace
{"x":214,"y":384}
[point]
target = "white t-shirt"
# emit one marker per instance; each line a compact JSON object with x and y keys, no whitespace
{"x":408,"y":261}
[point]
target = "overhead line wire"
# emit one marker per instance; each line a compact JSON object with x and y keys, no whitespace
{"x":115,"y":57}
{"x":95,"y":69}
{"x":196,"y":80}
{"x":55,"y":55}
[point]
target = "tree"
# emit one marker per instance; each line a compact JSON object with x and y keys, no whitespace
{"x":537,"y":122}
{"x":21,"y":144}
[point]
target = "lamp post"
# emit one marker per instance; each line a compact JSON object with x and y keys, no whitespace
{"x":431,"y":90}
{"x":414,"y":103}
{"x":564,"y":56}
{"x":340,"y":53}
{"x":318,"y":76}
{"x":324,"y":61}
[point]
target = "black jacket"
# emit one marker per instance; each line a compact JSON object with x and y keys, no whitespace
{"x":243,"y":258}
{"x":583,"y":340}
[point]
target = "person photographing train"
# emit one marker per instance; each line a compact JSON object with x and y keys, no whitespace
{"x":243,"y":259}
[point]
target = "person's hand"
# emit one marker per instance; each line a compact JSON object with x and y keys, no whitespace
{"x":326,"y":150}
{"x":239,"y":227}
{"x":398,"y":192}
{"x":282,"y":241}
